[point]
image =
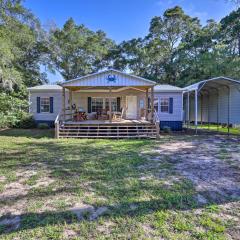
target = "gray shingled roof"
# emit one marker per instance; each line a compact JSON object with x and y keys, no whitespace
{"x":46,"y":87}
{"x":167,"y":88}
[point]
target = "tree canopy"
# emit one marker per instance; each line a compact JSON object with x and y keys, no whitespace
{"x":75,"y":50}
{"x":176,"y":50}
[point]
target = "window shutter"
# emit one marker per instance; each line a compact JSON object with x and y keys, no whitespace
{"x":89,"y":104}
{"x":38,"y":104}
{"x":170,"y":105}
{"x":118,"y":104}
{"x":148,"y":104}
{"x":51,"y":104}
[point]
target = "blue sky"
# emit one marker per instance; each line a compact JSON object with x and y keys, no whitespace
{"x":121,"y":19}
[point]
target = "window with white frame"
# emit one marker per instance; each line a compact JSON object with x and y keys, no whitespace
{"x":97,"y":104}
{"x":44,"y":104}
{"x":114,"y":104}
{"x":164,"y":105}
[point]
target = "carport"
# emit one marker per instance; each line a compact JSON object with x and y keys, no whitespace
{"x":215,"y":101}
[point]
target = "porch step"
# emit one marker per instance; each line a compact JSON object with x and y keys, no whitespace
{"x":140,"y":130}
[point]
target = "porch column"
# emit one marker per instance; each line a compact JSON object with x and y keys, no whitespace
{"x":63,"y":103}
{"x":146,"y":105}
{"x":70,"y":102}
{"x":110,"y":105}
{"x":196,"y":109}
{"x":152,"y":104}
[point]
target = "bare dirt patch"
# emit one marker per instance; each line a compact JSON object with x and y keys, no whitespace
{"x":82,"y":211}
{"x":209,"y":163}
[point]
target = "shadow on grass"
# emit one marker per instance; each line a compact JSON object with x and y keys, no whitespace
{"x":29,"y":133}
{"x":112,"y":171}
{"x":31,"y":220}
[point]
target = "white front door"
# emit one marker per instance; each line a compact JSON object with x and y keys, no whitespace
{"x":131,"y":103}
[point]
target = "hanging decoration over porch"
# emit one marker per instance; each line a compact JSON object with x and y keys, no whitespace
{"x":111,"y":78}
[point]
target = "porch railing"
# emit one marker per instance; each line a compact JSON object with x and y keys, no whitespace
{"x":156,"y":121}
{"x":57,"y":125}
{"x":60,"y":119}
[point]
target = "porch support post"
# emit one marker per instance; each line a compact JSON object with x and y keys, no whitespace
{"x":110,"y":105}
{"x":196,"y":109}
{"x":146,"y":104}
{"x":63,"y":103}
{"x":152,"y":106}
{"x":70,"y":102}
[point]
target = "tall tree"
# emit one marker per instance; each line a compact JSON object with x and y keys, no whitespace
{"x":76,"y":50}
{"x":21,"y":46}
{"x":230,"y":31}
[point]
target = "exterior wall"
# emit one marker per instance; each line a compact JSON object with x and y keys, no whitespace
{"x":235,"y":105}
{"x":209,"y":105}
{"x":173,"y":120}
{"x":177,"y":114}
{"x":57,"y":105}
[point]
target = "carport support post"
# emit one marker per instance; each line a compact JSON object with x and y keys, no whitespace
{"x":228,"y":109}
{"x":63,"y":103}
{"x":152,"y":104}
{"x":201,"y":109}
{"x":188,"y":109}
{"x":217,"y":110}
{"x":196,"y":109}
{"x":208,"y":108}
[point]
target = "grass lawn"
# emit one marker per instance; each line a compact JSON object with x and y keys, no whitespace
{"x":114,"y":189}
{"x":212,"y":127}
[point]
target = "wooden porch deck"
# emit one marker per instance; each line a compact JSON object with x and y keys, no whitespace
{"x":107,"y":122}
{"x":105,"y":129}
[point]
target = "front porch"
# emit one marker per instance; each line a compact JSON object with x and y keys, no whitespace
{"x":119,"y":108}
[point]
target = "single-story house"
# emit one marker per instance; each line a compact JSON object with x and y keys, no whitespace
{"x":107,"y":104}
{"x":215,"y":101}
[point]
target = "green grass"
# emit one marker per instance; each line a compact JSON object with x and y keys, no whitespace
{"x":215,"y":128}
{"x":100,"y":173}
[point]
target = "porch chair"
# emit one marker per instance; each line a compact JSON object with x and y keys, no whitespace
{"x":117,"y":116}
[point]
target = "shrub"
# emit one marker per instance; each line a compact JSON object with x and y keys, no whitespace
{"x":43,"y":126}
{"x":12,"y":110}
{"x":167,"y":129}
{"x":26,"y":122}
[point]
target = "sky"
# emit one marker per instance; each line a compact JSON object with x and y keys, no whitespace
{"x":121,"y":19}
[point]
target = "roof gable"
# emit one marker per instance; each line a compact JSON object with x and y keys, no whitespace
{"x":109,"y":78}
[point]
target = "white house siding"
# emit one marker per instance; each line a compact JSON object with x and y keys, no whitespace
{"x":211,"y":104}
{"x":235,"y":105}
{"x":101,"y":79}
{"x":57,"y":104}
{"x":177,"y":114}
{"x":80,"y":99}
